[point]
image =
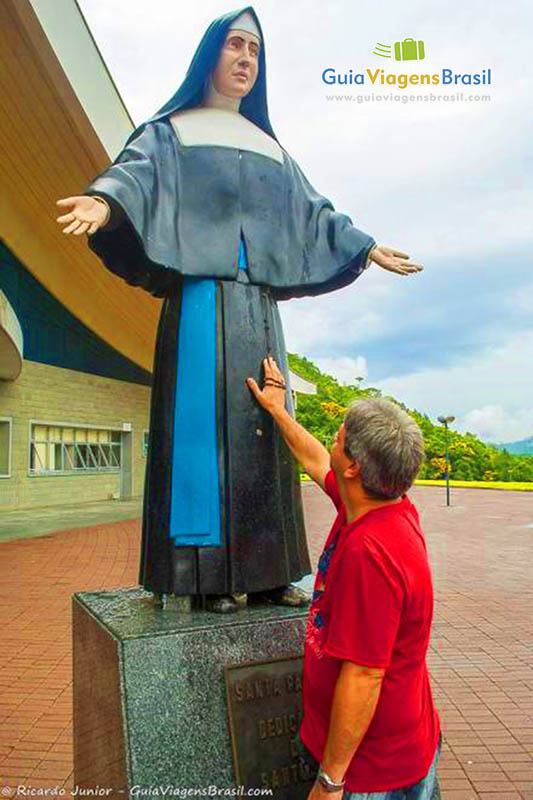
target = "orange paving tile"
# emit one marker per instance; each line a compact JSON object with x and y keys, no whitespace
{"x":481,"y":656}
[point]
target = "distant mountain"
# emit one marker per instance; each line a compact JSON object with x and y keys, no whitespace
{"x":522,"y":448}
{"x":470,"y":458}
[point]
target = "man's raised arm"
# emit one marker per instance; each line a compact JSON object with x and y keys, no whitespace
{"x":307,"y":450}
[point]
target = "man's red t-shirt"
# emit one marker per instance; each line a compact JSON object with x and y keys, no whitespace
{"x":373,"y":605}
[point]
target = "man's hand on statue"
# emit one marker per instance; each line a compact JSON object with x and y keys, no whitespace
{"x":272,"y":396}
{"x":85,"y":214}
{"x":394,"y":260}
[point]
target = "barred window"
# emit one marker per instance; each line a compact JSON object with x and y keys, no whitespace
{"x":65,"y":449}
{"x":5,"y":447}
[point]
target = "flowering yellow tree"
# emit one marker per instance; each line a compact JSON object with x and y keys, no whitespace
{"x":437,"y":468}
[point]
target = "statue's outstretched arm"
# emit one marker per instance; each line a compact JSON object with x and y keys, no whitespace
{"x":393,"y":260}
{"x":84,"y":214}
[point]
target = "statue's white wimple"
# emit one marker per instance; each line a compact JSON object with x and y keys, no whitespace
{"x":245,"y":23}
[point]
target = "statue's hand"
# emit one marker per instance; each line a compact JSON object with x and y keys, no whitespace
{"x":85,"y":214}
{"x":272,"y":396}
{"x":393,"y":260}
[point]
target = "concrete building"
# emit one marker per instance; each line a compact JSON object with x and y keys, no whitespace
{"x":76,"y":343}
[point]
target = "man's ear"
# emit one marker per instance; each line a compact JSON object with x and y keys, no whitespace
{"x":352,"y":472}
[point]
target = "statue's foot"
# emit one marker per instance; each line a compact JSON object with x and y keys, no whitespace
{"x":221,"y":603}
{"x":282,"y":596}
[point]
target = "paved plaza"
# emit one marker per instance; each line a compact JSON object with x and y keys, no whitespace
{"x":481,"y":656}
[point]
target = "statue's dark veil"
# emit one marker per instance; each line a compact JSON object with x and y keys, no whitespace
{"x":191,"y":92}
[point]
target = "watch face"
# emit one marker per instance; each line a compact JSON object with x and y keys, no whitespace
{"x":329,"y":786}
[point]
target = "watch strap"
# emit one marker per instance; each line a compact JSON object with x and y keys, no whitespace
{"x":328,"y":783}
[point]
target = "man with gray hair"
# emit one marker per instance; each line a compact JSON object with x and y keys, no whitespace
{"x":370,"y":727}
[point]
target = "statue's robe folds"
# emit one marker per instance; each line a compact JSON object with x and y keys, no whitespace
{"x":179,"y":215}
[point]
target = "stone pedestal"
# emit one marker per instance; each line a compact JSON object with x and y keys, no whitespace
{"x":150,"y":706}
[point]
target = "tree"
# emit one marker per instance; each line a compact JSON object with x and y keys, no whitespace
{"x":470,"y":458}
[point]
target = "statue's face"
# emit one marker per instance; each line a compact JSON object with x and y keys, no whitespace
{"x":236,"y":69}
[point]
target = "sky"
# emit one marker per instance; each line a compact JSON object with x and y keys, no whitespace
{"x":449,"y":182}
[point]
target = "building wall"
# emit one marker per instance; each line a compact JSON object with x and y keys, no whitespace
{"x":52,"y":335}
{"x":44,"y":393}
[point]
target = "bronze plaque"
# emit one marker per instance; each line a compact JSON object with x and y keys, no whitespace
{"x":265,"y":704}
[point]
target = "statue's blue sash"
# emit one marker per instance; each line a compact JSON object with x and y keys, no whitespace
{"x":195,"y":497}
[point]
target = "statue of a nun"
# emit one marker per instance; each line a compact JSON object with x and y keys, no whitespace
{"x":204,"y":208}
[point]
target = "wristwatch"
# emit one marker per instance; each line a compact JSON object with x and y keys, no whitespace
{"x":327,"y":783}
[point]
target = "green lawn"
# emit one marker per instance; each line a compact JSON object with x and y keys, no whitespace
{"x":507,"y":486}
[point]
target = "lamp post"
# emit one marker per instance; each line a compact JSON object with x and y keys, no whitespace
{"x":446,"y":421}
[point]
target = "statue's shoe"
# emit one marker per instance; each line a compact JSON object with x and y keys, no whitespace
{"x":221,"y":603}
{"x":282,"y":596}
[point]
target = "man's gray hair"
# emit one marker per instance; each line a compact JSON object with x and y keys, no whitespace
{"x":386,"y":443}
